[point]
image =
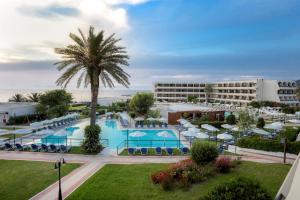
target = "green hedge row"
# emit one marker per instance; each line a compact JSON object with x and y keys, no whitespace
{"x":268,"y":145}
{"x":216,"y":124}
{"x":23,"y":119}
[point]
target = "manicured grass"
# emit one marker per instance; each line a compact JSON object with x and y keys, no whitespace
{"x":23,"y":179}
{"x":151,"y":152}
{"x":133,"y":182}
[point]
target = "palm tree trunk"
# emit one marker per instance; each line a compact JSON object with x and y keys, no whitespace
{"x":94,"y":102}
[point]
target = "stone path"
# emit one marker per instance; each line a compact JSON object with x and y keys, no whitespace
{"x":91,"y":164}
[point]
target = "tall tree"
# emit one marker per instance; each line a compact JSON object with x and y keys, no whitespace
{"x":208,"y":90}
{"x":17,"y":98}
{"x":97,"y":60}
{"x":33,"y":97}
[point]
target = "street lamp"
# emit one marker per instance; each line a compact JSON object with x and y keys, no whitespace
{"x":58,"y":165}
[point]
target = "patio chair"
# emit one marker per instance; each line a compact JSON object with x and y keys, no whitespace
{"x":44,"y":148}
{"x":34,"y":147}
{"x":184,"y":150}
{"x":142,"y":125}
{"x":154,"y":125}
{"x":169,"y":151}
{"x":8,"y":147}
{"x":64,"y":149}
{"x":144,"y":151}
{"x":148,"y":125}
{"x":166,"y":125}
{"x":52,"y":148}
{"x":131,"y":151}
{"x":136,"y":125}
{"x":158,"y":151}
{"x":160,"y":125}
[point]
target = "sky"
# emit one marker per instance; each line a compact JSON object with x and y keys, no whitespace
{"x":167,"y":40}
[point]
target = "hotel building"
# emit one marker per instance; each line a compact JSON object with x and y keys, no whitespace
{"x":229,"y":92}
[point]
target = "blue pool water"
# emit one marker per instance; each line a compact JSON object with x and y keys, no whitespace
{"x":115,"y":136}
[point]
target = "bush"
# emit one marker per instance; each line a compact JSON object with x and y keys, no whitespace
{"x":260,"y":123}
{"x":289,"y":133}
{"x":24,"y":119}
{"x":91,"y":143}
{"x":230,"y":119}
{"x":241,"y":188}
{"x":202,"y":152}
{"x":223,"y":164}
{"x":216,"y":124}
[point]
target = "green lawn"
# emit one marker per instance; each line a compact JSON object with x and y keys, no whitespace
{"x":23,"y":179}
{"x":77,"y":150}
{"x":133,"y":182}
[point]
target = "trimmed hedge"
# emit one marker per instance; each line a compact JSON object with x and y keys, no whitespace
{"x":216,"y":124}
{"x":24,"y":119}
{"x":202,"y":152}
{"x":268,"y":145}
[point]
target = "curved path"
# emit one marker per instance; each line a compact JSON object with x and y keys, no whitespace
{"x":91,"y":164}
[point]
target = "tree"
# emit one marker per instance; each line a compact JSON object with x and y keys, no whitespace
{"x":17,"y":98}
{"x":260,"y":123}
{"x":255,"y":104}
{"x":54,"y":103}
{"x":97,"y":60}
{"x":91,"y":143}
{"x":142,"y":102}
{"x":192,"y":99}
{"x":208,"y":90}
{"x":33,"y":97}
{"x":245,"y":120}
{"x":154,"y":113}
{"x":230,"y":119}
{"x":298,"y":92}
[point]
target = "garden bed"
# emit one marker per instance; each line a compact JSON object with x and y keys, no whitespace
{"x":133,"y":182}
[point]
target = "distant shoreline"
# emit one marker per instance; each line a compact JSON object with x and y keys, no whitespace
{"x":79,"y":95}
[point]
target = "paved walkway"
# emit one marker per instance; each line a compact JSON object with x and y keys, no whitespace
{"x":91,"y":164}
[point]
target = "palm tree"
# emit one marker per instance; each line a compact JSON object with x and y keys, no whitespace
{"x":97,"y":59}
{"x":33,"y":97}
{"x":17,"y":98}
{"x":208,"y":90}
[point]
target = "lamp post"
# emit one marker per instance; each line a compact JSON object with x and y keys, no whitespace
{"x":58,"y":165}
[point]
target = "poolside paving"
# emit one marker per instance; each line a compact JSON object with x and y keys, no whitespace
{"x":92,"y":163}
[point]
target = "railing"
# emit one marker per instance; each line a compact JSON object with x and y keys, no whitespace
{"x":55,"y":141}
{"x":148,"y":144}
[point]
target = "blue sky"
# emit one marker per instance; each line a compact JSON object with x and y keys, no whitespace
{"x":188,"y":40}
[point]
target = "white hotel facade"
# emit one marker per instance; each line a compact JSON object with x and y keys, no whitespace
{"x":229,"y":92}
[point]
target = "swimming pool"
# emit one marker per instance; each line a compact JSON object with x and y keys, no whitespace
{"x":116,"y":137}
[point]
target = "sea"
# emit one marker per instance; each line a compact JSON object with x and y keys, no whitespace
{"x":106,"y":96}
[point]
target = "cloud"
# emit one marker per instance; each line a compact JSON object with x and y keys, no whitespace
{"x":28,"y":26}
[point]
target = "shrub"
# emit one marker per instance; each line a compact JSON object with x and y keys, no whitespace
{"x":289,"y":133}
{"x":230,"y":119}
{"x":159,"y":177}
{"x":223,"y":164}
{"x":167,"y":183}
{"x":25,"y":119}
{"x":240,"y":188}
{"x":202,"y":152}
{"x":91,"y":143}
{"x":260,"y":123}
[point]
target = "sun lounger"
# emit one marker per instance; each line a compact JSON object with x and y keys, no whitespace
{"x":44,"y":147}
{"x":64,"y":148}
{"x":184,"y":150}
{"x":169,"y":151}
{"x":158,"y":151}
{"x":52,"y":148}
{"x":34,"y":147}
{"x":131,"y":151}
{"x":144,"y":151}
{"x":19,"y":147}
{"x":8,"y":147}
{"x":166,"y":125}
